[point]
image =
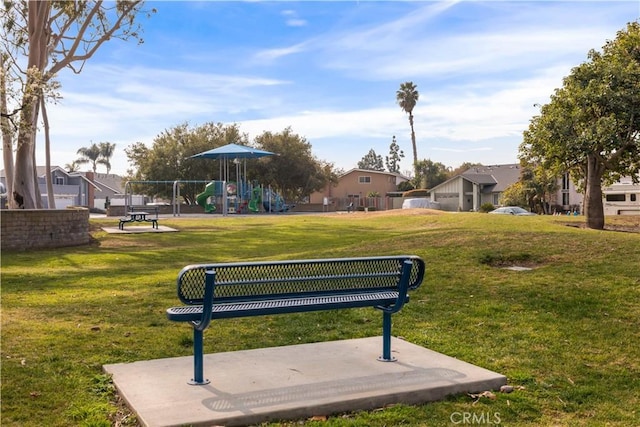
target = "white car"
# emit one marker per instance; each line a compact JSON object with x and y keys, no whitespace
{"x":512,"y":210}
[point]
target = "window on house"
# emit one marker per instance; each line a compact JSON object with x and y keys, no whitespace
{"x":364,"y":179}
{"x":565,"y":189}
{"x":59,"y":180}
{"x":633,"y":197}
{"x":615,"y":197}
{"x":496,"y":199}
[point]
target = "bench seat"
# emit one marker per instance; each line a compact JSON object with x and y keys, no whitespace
{"x":281,"y":306}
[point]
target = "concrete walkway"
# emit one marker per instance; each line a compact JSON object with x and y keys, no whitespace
{"x":293,"y":382}
{"x":134,"y":229}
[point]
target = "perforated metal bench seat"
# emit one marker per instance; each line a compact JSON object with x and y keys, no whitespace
{"x":277,"y":287}
{"x":280,"y":306}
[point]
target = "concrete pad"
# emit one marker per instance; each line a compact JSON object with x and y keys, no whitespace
{"x":293,"y":382}
{"x":131,"y":229}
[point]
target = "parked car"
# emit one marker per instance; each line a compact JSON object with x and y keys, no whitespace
{"x":512,"y":210}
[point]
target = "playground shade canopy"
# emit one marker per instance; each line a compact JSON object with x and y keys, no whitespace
{"x":233,"y":151}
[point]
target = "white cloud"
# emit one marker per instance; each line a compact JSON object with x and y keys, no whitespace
{"x":273,"y":54}
{"x":296,"y":22}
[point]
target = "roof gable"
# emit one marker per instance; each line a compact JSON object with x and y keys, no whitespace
{"x":495,"y":178}
{"x":501,"y":175}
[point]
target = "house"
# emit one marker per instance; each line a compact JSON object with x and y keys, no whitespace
{"x":485,"y":184}
{"x":474,"y":187}
{"x":87,"y":189}
{"x":362,"y":187}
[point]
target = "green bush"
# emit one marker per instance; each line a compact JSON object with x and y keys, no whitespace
{"x":418,"y":192}
{"x":487,"y":207}
{"x":405,"y":186}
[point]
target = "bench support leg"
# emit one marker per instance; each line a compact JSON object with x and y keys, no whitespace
{"x":386,"y":339}
{"x":198,"y":360}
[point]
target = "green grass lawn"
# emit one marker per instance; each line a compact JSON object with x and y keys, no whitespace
{"x":566,"y":333}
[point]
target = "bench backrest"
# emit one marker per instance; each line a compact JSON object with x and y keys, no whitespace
{"x":280,"y":279}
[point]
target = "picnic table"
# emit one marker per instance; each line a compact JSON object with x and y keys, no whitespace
{"x":140,"y":214}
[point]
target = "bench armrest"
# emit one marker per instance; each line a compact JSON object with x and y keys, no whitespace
{"x":418,"y":274}
{"x":207,"y":303}
{"x":403,"y":289}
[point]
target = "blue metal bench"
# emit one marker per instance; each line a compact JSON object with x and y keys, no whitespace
{"x":276,"y":287}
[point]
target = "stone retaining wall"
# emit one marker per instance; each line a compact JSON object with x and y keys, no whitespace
{"x":23,"y":229}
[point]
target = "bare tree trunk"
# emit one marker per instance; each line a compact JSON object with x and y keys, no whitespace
{"x":7,"y":134}
{"x":25,"y":188}
{"x":23,"y":193}
{"x":594,"y":210}
{"x":413,"y":143}
{"x":51,"y":199}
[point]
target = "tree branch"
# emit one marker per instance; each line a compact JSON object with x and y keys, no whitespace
{"x":71,"y":54}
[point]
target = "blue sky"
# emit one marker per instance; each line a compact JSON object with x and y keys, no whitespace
{"x":330,"y":70}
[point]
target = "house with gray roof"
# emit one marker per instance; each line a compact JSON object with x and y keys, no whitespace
{"x":474,"y":187}
{"x":87,"y":189}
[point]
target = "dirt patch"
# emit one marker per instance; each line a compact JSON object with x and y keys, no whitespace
{"x":627,"y":224}
{"x":516,"y":261}
{"x":630,"y":224}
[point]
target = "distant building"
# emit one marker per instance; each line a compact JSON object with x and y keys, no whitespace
{"x":355,"y":185}
{"x":76,"y":188}
{"x":566,"y":198}
{"x":485,"y":184}
{"x":474,"y":187}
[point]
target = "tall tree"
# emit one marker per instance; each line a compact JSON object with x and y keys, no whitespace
{"x":462,"y":168}
{"x":89,"y":154}
{"x":107,"y":150}
{"x":535,"y":189}
{"x":295,"y":172}
{"x":392,"y":161}
{"x":74,"y":166}
{"x":430,"y":173}
{"x":371,"y":161}
{"x":54,"y":36}
{"x":591,"y":126}
{"x":407,"y":97}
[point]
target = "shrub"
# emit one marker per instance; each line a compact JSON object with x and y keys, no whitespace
{"x":487,"y":207}
{"x":418,"y":192}
{"x":405,"y":186}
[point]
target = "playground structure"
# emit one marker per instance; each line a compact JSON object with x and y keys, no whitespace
{"x":240,"y":198}
{"x":224,"y":195}
{"x":206,"y":198}
{"x":237,"y":196}
{"x":218,"y":197}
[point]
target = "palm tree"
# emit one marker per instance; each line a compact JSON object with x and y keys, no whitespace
{"x":89,"y":155}
{"x":407,"y":97}
{"x":106,"y":153}
{"x":74,"y":166}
